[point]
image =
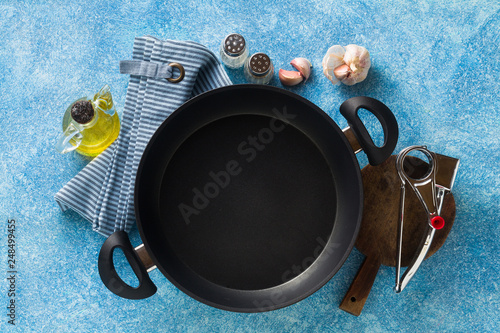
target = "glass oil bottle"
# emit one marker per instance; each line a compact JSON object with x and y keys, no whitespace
{"x":90,"y":124}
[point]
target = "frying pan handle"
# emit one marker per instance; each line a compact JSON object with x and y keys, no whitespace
{"x":112,"y":280}
{"x":376,"y":155}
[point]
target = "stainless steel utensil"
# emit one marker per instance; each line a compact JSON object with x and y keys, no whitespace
{"x":430,"y":189}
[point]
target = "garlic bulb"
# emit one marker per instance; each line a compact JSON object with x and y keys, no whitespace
{"x":348,"y":65}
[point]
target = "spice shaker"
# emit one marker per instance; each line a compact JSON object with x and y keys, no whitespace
{"x":233,"y":50}
{"x":259,"y":68}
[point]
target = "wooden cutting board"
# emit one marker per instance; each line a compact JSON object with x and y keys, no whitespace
{"x":377,"y":238}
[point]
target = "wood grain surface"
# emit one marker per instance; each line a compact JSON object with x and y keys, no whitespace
{"x":377,"y":238}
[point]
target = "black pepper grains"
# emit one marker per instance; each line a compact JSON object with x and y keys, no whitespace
{"x":82,"y":112}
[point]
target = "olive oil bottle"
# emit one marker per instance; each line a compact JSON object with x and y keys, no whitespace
{"x":90,"y":125}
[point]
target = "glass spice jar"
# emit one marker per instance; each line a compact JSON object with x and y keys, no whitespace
{"x":233,"y":51}
{"x":259,"y":68}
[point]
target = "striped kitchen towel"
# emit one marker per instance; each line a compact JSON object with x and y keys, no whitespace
{"x":103,"y":191}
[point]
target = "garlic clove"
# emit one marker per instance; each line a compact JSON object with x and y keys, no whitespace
{"x":329,"y":76}
{"x":358,"y":60}
{"x":303,"y":66}
{"x":348,"y":64}
{"x":341,"y":72}
{"x":290,"y":78}
{"x":333,"y":58}
{"x":336,"y":52}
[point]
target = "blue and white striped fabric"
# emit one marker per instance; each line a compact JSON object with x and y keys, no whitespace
{"x":103,"y":191}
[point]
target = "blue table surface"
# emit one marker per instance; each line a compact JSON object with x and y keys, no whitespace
{"x":436,"y":65}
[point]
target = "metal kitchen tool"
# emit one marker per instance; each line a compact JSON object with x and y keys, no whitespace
{"x":378,"y":234}
{"x":430,"y":190}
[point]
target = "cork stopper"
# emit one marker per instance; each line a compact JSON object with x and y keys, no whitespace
{"x":82,"y":112}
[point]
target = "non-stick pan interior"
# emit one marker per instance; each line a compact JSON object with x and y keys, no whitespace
{"x":242,"y":204}
{"x":248,"y":190}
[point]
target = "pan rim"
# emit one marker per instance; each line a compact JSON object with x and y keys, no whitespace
{"x":300,"y":277}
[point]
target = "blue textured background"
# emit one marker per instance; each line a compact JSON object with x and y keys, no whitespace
{"x":435,"y":65}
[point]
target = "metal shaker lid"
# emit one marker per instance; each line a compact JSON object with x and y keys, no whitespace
{"x":259,"y":64}
{"x":234,"y":45}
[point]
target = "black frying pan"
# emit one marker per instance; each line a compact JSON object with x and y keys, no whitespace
{"x":248,"y":198}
